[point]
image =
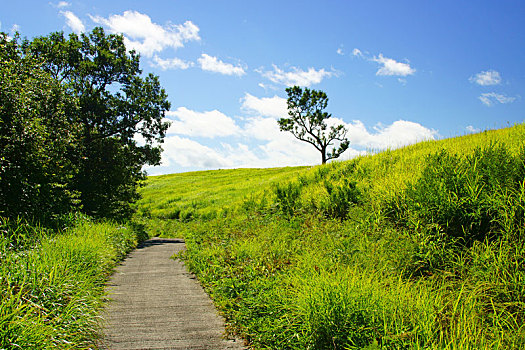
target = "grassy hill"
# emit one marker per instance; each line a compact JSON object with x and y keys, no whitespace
{"x":420,"y":247}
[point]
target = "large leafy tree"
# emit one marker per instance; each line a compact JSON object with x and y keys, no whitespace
{"x":307,"y":122}
{"x":35,"y":134}
{"x":115,"y":104}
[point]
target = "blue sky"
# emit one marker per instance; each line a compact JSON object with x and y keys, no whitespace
{"x":395,"y":72}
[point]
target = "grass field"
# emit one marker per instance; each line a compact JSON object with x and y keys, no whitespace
{"x":416,"y":248}
{"x":52,"y":282}
{"x":169,"y":200}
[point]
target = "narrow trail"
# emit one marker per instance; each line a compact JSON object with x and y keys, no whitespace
{"x":156,"y":304}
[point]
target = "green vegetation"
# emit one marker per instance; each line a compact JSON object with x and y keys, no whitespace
{"x":171,"y":203}
{"x":52,"y":283}
{"x":70,"y":109}
{"x":417,"y":248}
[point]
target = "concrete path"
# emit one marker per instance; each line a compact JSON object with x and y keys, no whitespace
{"x":156,"y":304}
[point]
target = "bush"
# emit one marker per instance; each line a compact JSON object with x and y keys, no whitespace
{"x":466,"y":198}
{"x":287,"y":198}
{"x":342,"y":197}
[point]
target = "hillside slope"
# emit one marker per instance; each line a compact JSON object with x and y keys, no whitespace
{"x":420,"y":247}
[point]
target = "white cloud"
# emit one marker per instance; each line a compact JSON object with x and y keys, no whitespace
{"x":73,"y":22}
{"x":472,"y":129}
{"x":340,"y":51}
{"x":258,"y":142}
{"x":486,"y":78}
{"x":201,"y":124}
{"x":490,"y":98}
{"x":191,"y":154}
{"x":399,"y":133}
{"x":388,"y":66}
{"x":188,"y":153}
{"x":284,"y":149}
{"x":171,"y":63}
{"x":296,"y":76}
{"x":213,"y":64}
{"x":15,"y":28}
{"x":266,"y":106}
{"x":357,"y":52}
{"x":141,"y":34}
{"x":61,"y":4}
{"x":392,"y":68}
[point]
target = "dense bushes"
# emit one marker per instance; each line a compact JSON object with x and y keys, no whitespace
{"x":341,"y":197}
{"x":35,"y":134}
{"x":466,"y":198}
{"x":70,"y":109}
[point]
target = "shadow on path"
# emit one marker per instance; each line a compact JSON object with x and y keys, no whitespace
{"x":159,"y":241}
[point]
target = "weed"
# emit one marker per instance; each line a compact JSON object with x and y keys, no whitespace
{"x":416,"y":248}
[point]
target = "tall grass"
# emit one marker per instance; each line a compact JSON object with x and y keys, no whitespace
{"x":52,"y":283}
{"x":416,"y":248}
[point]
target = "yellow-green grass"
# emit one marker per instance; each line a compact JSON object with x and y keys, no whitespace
{"x":304,"y":279}
{"x":386,"y":173}
{"x":52,"y":283}
{"x":168,"y":200}
{"x":205,"y":191}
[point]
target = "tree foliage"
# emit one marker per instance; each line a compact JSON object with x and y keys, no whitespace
{"x":307,"y":122}
{"x":115,"y":103}
{"x":72,"y":110}
{"x":35,"y":134}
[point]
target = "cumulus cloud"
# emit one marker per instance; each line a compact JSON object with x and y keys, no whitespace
{"x":201,"y":124}
{"x":399,"y":133}
{"x":490,"y":98}
{"x":266,"y":106}
{"x":148,"y":38}
{"x":213,"y":64}
{"x":391,"y":67}
{"x":171,"y":63}
{"x":388,"y":66}
{"x":258,"y":142}
{"x":275,"y":148}
{"x":73,"y":22}
{"x":188,"y":153}
{"x":486,"y":78}
{"x":296,"y":76}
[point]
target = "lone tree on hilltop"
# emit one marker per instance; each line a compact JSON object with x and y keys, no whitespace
{"x":307,"y":122}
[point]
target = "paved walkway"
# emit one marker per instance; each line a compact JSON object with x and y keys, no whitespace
{"x":156,"y":304}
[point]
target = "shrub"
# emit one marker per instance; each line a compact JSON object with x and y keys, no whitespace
{"x":467,"y":197}
{"x":287,"y":196}
{"x":342,"y":197}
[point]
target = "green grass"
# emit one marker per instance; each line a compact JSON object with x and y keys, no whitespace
{"x":417,"y":248}
{"x":205,"y":195}
{"x":52,"y":283}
